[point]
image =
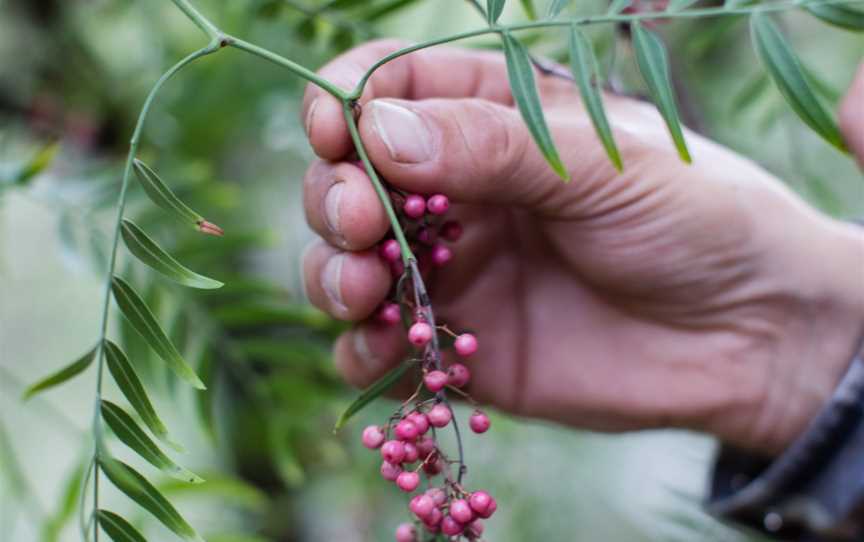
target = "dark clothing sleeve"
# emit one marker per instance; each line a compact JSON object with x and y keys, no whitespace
{"x":814,"y":491}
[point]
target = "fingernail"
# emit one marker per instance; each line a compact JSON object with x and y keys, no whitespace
{"x":404,"y":133}
{"x":309,"y":114}
{"x":361,"y":347}
{"x":331,"y":206}
{"x":331,"y":278}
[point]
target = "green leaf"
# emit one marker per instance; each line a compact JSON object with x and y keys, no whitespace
{"x":494,"y":8}
{"x":678,"y":5}
{"x":372,"y":392}
{"x":118,"y":528}
{"x":225,"y":489}
{"x":137,"y":488}
{"x":162,"y":196}
{"x":36,"y":165}
{"x":556,"y":7}
{"x":789,"y":77}
{"x":583,"y":63}
{"x":128,"y":431}
{"x":66,"y":373}
{"x":837,"y":14}
{"x":617,"y":6}
{"x":654,"y":67}
{"x":529,"y":9}
{"x":521,"y":75}
{"x":127,"y":380}
{"x":146,"y":250}
{"x":142,"y":319}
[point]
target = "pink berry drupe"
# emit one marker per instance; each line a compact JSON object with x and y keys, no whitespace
{"x":406,"y":431}
{"x":420,"y":334}
{"x":451,"y":527}
{"x":390,"y":472}
{"x":435,"y":381}
{"x":373,"y":437}
{"x":458,"y":375}
{"x":451,"y":231}
{"x":414,"y":206}
{"x":412,"y":454}
{"x":393,"y":451}
{"x":390,"y":251}
{"x":422,"y":506}
{"x":479,"y":502}
{"x":390,"y":314}
{"x":438,"y":495}
{"x":425,"y":446}
{"x":461,"y":511}
{"x":406,"y":533}
{"x":465,"y":344}
{"x":397,"y":269}
{"x":479,"y":422}
{"x":439,"y":416}
{"x":408,"y":481}
{"x":420,"y":420}
{"x":433,"y":520}
{"x":441,"y":255}
{"x":438,"y":204}
{"x":427,"y":236}
{"x":475,"y":529}
{"x":433,"y":465}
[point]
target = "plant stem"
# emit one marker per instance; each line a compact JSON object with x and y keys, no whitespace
{"x":407,"y":255}
{"x":594,"y":19}
{"x":121,"y":206}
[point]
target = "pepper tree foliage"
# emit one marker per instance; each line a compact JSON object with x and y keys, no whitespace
{"x":242,"y":334}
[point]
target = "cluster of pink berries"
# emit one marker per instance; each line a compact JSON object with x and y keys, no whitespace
{"x":421,"y":216}
{"x":407,"y":442}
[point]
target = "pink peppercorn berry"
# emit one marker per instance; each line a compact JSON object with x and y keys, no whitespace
{"x":420,"y":334}
{"x":439,"y":416}
{"x":438,"y":204}
{"x":414,"y":206}
{"x":408,"y":481}
{"x":390,"y":472}
{"x":451,"y":230}
{"x":435,"y":381}
{"x":406,"y":430}
{"x":451,"y":527}
{"x":458,"y":375}
{"x":393,"y":452}
{"x":412,"y":454}
{"x":406,"y":533}
{"x":390,"y":251}
{"x":479,"y":502}
{"x":479,"y":422}
{"x":425,"y":446}
{"x":441,"y":255}
{"x":465,"y":344}
{"x":427,"y":236}
{"x":373,"y":437}
{"x":390,"y":314}
{"x":420,"y":420}
{"x":422,"y":506}
{"x":433,"y":520}
{"x":438,"y":495}
{"x":461,"y":511}
{"x":475,"y":529}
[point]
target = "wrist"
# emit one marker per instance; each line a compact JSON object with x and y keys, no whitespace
{"x":817,"y":331}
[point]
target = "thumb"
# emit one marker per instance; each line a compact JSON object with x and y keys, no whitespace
{"x":473,"y":150}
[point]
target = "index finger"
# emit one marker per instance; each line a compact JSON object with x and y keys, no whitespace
{"x":441,"y":72}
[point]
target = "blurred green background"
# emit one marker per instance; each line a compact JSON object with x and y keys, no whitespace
{"x":226,"y":134}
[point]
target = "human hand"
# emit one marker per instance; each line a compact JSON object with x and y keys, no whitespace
{"x":704,"y":296}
